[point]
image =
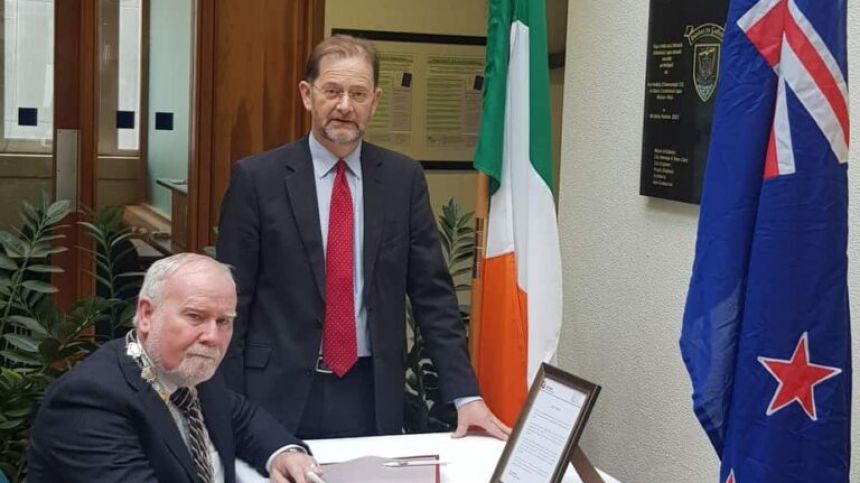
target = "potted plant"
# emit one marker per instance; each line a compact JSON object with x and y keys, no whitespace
{"x":38,"y":340}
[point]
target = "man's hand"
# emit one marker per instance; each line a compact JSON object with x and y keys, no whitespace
{"x":476,"y":413}
{"x":293,"y":466}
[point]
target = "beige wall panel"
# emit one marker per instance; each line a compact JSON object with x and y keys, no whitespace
{"x":15,"y":190}
{"x":116,"y":192}
{"x":117,"y":168}
{"x":25,"y":166}
{"x":444,"y":185}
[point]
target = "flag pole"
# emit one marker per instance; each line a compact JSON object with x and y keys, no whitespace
{"x":482,"y":203}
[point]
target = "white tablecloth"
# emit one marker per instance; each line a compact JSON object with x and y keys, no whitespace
{"x":470,"y":460}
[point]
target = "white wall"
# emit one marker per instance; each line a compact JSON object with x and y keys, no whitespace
{"x":627,"y":258}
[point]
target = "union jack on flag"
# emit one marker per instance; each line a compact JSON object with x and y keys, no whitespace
{"x":766,"y":334}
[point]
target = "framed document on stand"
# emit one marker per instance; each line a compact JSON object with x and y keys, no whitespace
{"x":546,"y":435}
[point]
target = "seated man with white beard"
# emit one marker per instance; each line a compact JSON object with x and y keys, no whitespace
{"x":147,"y":408}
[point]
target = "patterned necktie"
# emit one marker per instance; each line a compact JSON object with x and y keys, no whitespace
{"x":186,"y":400}
{"x":339,"y":344}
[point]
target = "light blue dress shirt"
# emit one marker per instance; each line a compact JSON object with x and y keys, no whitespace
{"x":324,"y":174}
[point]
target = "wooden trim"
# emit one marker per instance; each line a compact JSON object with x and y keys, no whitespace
{"x":76,"y":105}
{"x":143,"y":128}
{"x":202,"y":95}
{"x":315,"y":17}
{"x":87,"y":137}
{"x":67,"y":25}
{"x":556,"y":60}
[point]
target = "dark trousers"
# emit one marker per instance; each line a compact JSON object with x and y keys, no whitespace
{"x":340,"y":407}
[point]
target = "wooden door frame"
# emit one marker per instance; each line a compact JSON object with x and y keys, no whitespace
{"x":203,"y":99}
{"x":204,"y":189}
{"x":75,"y":105}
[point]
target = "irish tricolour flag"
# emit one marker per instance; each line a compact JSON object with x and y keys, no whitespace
{"x":520,"y":313}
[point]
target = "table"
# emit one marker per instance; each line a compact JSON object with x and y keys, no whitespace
{"x":470,"y":460}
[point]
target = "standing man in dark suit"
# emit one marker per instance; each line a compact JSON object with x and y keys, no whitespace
{"x":147,"y":408}
{"x":328,"y":235}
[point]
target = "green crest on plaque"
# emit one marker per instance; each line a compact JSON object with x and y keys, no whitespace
{"x":705,"y":40}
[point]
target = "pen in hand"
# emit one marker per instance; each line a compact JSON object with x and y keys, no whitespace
{"x":314,"y":478}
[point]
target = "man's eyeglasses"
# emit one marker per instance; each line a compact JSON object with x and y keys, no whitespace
{"x":336,"y":93}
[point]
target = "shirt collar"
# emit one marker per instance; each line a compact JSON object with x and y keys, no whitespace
{"x":324,"y":161}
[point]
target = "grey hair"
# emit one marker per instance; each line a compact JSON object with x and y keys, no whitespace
{"x":342,"y":46}
{"x":160,"y":271}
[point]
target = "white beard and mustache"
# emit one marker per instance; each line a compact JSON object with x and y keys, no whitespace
{"x":343,"y":136}
{"x":198,"y":364}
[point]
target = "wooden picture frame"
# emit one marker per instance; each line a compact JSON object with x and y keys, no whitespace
{"x":554,"y":397}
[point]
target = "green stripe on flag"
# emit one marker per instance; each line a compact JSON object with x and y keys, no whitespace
{"x":488,"y":153}
{"x":540,"y":129}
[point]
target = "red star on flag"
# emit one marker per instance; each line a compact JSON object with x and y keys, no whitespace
{"x":797,"y":379}
{"x":731,"y":478}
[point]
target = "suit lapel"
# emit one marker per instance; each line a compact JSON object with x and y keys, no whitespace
{"x":156,"y":409}
{"x":302,"y":193}
{"x":374,"y":210}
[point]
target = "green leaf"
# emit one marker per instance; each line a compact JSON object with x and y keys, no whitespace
{"x":13,"y":245}
{"x":19,"y":413}
{"x":39,"y":286}
{"x":131,"y":274}
{"x":460,"y":258}
{"x":28,"y":323}
{"x":11,"y":424}
{"x":57,"y":211}
{"x":42,"y":251}
{"x":461,"y":271}
{"x":21,"y":358}
{"x":47,"y":238}
{"x":92,"y":229}
{"x":121,"y":237}
{"x":23,"y":342}
{"x":7,"y":263}
{"x":102,"y":281}
{"x":446,"y":245}
{"x":130,"y":248}
{"x":45,"y":269}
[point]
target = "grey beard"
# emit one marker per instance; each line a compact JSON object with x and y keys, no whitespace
{"x":181,"y":376}
{"x":341,"y":138}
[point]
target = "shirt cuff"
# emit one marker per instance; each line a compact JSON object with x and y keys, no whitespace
{"x":290,"y":447}
{"x":462,"y":401}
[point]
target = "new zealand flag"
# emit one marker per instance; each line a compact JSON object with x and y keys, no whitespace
{"x":766,"y":336}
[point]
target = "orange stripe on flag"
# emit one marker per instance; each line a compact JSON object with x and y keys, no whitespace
{"x":502,"y":353}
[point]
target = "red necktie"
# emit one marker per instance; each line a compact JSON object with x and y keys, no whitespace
{"x":339,"y":345}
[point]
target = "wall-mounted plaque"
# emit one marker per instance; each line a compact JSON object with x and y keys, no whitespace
{"x":684,"y":38}
{"x":547,"y":431}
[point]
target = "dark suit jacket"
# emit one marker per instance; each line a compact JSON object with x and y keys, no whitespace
{"x":270,"y":232}
{"x":101,"y":422}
